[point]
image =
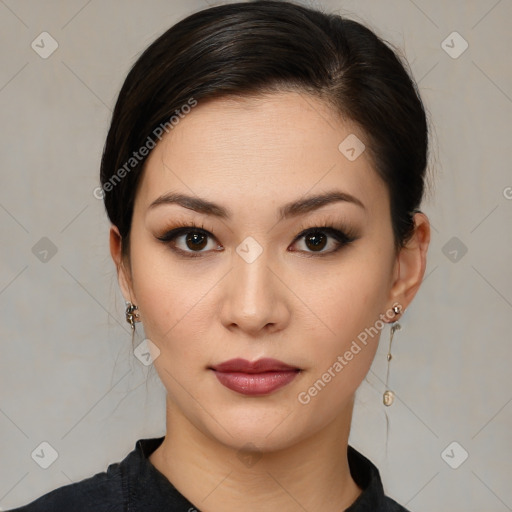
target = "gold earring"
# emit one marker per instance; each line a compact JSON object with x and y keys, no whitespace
{"x":389,"y":397}
{"x":131,"y":314}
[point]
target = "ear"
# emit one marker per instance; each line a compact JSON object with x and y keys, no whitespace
{"x":411,"y":264}
{"x":123,"y":274}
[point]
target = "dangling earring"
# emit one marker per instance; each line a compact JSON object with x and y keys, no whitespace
{"x":131,"y":314}
{"x":389,"y":397}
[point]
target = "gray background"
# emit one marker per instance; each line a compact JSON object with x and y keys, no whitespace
{"x":68,"y":375}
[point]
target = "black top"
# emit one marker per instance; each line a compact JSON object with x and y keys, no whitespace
{"x":135,"y":485}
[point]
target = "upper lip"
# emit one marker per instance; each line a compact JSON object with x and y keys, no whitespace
{"x":261,"y":365}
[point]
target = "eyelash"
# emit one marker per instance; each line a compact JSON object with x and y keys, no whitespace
{"x":342,"y":236}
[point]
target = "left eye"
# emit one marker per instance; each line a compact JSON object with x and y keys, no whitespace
{"x":194,"y":239}
{"x":315,"y":239}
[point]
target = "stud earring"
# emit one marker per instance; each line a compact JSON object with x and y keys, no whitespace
{"x":131,"y":314}
{"x":389,"y":397}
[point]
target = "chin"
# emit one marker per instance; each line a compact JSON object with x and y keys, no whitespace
{"x":254,"y":431}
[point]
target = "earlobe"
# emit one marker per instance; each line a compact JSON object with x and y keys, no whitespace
{"x":412,"y":262}
{"x":123,"y":275}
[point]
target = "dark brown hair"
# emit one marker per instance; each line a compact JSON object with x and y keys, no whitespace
{"x":243,"y":49}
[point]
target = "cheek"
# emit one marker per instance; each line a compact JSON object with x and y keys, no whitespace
{"x":345,"y":323}
{"x":345,"y":300}
{"x":342,"y":349}
{"x":173,"y":301}
{"x":162,"y":289}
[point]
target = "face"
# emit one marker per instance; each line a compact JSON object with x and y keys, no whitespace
{"x":262,"y":272}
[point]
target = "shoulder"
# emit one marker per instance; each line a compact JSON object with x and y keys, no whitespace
{"x":115,"y":490}
{"x":393,"y":506}
{"x":103,"y":492}
{"x":367,"y":477}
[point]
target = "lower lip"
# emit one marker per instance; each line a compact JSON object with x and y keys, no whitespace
{"x":255,"y":383}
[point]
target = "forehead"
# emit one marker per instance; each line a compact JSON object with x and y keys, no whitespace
{"x":269,"y":148}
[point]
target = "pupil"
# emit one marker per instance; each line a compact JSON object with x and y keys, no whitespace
{"x":194,"y":237}
{"x":317,"y":240}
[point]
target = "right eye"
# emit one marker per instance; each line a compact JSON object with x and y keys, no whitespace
{"x":193,"y":240}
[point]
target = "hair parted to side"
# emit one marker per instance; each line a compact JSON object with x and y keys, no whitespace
{"x":264,"y":46}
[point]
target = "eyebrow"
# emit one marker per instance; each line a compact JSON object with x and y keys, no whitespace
{"x":292,"y":209}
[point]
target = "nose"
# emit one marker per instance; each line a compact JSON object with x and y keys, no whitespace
{"x":255,"y":299}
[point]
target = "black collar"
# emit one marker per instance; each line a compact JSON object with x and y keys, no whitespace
{"x":145,"y":483}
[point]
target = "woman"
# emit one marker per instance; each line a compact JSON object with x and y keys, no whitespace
{"x":263,"y":174}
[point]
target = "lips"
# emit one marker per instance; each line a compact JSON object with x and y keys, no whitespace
{"x":259,"y":366}
{"x":254,"y":378}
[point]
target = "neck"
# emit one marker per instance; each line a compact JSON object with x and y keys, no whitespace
{"x":312,"y":474}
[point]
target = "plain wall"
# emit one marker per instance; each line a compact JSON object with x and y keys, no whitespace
{"x":67,"y":373}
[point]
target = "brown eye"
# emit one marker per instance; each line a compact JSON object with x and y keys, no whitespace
{"x":315,"y":240}
{"x":196,"y":241}
{"x":189,"y":240}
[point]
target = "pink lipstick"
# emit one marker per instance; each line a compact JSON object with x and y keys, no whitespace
{"x":254,"y":378}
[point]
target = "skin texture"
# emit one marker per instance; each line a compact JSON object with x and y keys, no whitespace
{"x":223,"y":450}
